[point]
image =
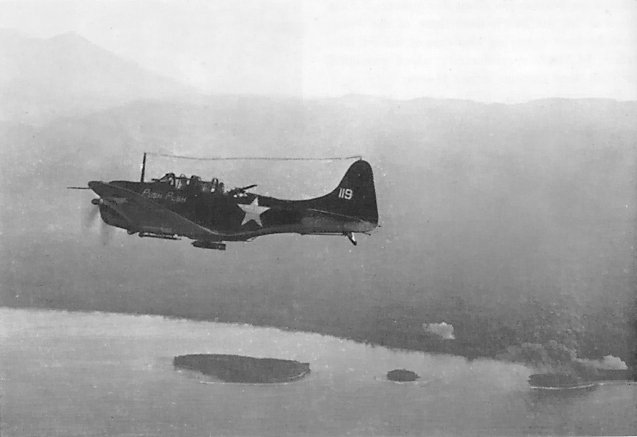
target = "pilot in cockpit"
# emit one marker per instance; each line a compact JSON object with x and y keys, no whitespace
{"x":216,"y":187}
{"x":194,"y":183}
{"x":181,"y":182}
{"x":168,"y":178}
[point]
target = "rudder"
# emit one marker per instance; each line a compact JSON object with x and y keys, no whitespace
{"x":355,"y":195}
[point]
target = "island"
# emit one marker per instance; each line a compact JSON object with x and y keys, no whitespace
{"x":402,"y":375}
{"x":558,"y":381}
{"x":240,"y":369}
{"x":565,"y":381}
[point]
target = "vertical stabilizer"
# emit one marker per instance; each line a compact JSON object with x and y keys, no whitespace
{"x":355,"y":195}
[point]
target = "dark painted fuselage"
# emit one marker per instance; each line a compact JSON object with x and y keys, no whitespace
{"x":188,"y":207}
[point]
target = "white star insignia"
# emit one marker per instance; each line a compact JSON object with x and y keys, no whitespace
{"x":253,"y":212}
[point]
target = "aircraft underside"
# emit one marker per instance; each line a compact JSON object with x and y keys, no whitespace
{"x":307,"y":226}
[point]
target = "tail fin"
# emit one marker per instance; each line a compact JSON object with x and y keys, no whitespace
{"x":355,"y":195}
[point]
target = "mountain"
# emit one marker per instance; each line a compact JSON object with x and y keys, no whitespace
{"x":41,"y":79}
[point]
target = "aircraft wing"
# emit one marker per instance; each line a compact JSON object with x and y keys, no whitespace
{"x":145,"y":215}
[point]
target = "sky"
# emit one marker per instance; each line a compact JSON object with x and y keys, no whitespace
{"x":488,"y":50}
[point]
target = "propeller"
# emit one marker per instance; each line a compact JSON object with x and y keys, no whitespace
{"x":88,"y":221}
{"x":88,"y":217}
{"x":106,"y":234}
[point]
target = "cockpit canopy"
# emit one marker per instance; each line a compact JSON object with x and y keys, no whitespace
{"x":182,"y":182}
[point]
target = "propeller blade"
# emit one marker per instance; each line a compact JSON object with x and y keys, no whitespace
{"x":106,"y":234}
{"x":77,"y":188}
{"x":89,"y":216}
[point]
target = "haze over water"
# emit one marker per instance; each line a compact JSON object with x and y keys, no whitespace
{"x":66,"y":373}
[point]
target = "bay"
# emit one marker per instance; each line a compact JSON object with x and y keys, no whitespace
{"x":70,"y":373}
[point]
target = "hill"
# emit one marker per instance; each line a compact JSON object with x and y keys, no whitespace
{"x":42,"y":79}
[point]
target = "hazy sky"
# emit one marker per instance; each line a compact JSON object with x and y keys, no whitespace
{"x":503,"y":51}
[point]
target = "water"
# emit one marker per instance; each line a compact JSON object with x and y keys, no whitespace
{"x":66,"y":374}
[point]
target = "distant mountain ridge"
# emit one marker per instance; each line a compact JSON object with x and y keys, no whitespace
{"x":41,"y":79}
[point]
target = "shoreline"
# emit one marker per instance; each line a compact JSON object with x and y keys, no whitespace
{"x":434,"y":347}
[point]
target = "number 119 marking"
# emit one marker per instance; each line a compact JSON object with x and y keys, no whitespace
{"x":345,"y":193}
